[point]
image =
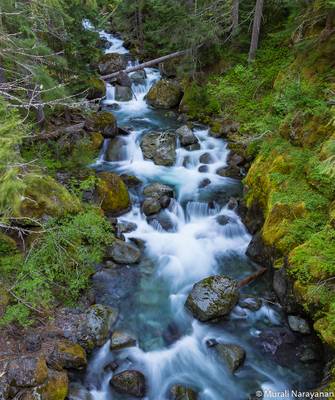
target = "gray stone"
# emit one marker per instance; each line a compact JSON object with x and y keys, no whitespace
{"x":213,"y":297}
{"x":232,"y":354}
{"x":158,"y":190}
{"x":151,"y":206}
{"x":123,"y":79}
{"x":121,"y":340}
{"x":298,"y":324}
{"x":222,"y":220}
{"x":116,"y":150}
{"x":203,"y":168}
{"x":112,"y":62}
{"x":206,"y":158}
{"x":139,"y":77}
{"x":204,"y":183}
{"x":123,"y":253}
{"x":160,"y":147}
{"x":129,"y":382}
{"x":251,"y":303}
{"x":123,"y":93}
{"x":186,"y":136}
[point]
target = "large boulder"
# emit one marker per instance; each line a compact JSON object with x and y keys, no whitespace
{"x":160,"y":147}
{"x":179,"y":392}
{"x":186,"y":136}
{"x":90,"y":329}
{"x":112,"y":194}
{"x":213,"y":298}
{"x":158,"y":191}
{"x":44,"y":197}
{"x":165,"y":94}
{"x":123,"y":79}
{"x":103,"y":122}
{"x":55,"y":388}
{"x":123,"y":253}
{"x":116,"y":150}
{"x":151,"y":206}
{"x":112,"y":62}
{"x":129,"y":382}
{"x":26,"y":371}
{"x":96,"y":89}
{"x":232,"y":354}
{"x":123,"y":93}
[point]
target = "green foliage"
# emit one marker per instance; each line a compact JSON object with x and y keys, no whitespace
{"x":59,"y":264}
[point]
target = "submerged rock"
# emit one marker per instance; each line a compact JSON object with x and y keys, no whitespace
{"x":251,"y":303}
{"x":129,"y":382}
{"x":139,"y":77}
{"x":78,"y":392}
{"x":232,"y":354}
{"x":186,"y":136}
{"x":206,"y":158}
{"x":123,"y":253}
{"x":160,"y":147}
{"x":213,"y":297}
{"x":165,"y":94}
{"x":179,"y":392}
{"x":298,"y":324}
{"x":121,"y":340}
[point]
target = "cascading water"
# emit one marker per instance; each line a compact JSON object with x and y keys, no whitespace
{"x":172,"y":346}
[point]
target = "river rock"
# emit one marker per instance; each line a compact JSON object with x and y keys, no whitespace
{"x":203,"y":168}
{"x":129,"y":382}
{"x":165,"y":94}
{"x":206,"y":158}
{"x":158,"y":191}
{"x":193,"y":147}
{"x":251,"y":303}
{"x":223,"y":220}
{"x":112,"y":62}
{"x":103,"y":122}
{"x":125,"y":227}
{"x":179,"y":392}
{"x":151,"y":206}
{"x":123,"y":79}
{"x":165,"y":201}
{"x":131,"y":181}
{"x":231,"y":171}
{"x":204,"y":183}
{"x":232,"y":354}
{"x":25,"y":371}
{"x":213,"y":297}
{"x":186,"y":136}
{"x":116,"y":150}
{"x":68,"y":355}
{"x":298,"y":324}
{"x":160,"y":147}
{"x":123,"y":93}
{"x":123,"y":253}
{"x":139,"y":77}
{"x":121,"y":340}
{"x":162,"y":219}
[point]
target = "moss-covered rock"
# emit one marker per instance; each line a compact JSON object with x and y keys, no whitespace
{"x":97,"y":140}
{"x":165,"y":94}
{"x":44,"y":196}
{"x":55,"y":388}
{"x":112,"y":62}
{"x":103,"y":122}
{"x":96,"y":88}
{"x":112,"y":193}
{"x":66,"y":354}
{"x":27,"y":371}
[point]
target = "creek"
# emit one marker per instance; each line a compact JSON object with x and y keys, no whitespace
{"x":172,"y":347}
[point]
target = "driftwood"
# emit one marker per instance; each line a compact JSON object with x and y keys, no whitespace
{"x":251,"y":278}
{"x":146,"y":64}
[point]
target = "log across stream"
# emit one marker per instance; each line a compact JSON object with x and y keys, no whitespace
{"x":198,"y":234}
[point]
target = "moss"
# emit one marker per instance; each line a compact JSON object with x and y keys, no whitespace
{"x":103,"y":119}
{"x":97,"y":139}
{"x":165,"y":94}
{"x":45,"y":196}
{"x":56,"y":387}
{"x":96,"y":88}
{"x":112,"y":193}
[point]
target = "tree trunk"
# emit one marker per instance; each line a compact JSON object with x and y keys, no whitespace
{"x":235,"y":17}
{"x":256,"y":30}
{"x":146,"y":64}
{"x":139,"y":19}
{"x":36,"y":98}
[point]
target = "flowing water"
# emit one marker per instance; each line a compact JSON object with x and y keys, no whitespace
{"x":172,"y":346}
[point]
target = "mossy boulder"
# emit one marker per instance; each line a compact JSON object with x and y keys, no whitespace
{"x":26,"y":371}
{"x":112,"y":194}
{"x":213,"y":298}
{"x":112,"y":62}
{"x":96,"y":140}
{"x":96,"y":89}
{"x":160,"y":147}
{"x":165,"y":94}
{"x":43,"y":196}
{"x":103,"y":122}
{"x":66,"y":354}
{"x":130,"y":382}
{"x":55,"y":388}
{"x":232,"y":354}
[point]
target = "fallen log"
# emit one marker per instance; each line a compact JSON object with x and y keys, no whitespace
{"x":146,"y":64}
{"x":251,"y":278}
